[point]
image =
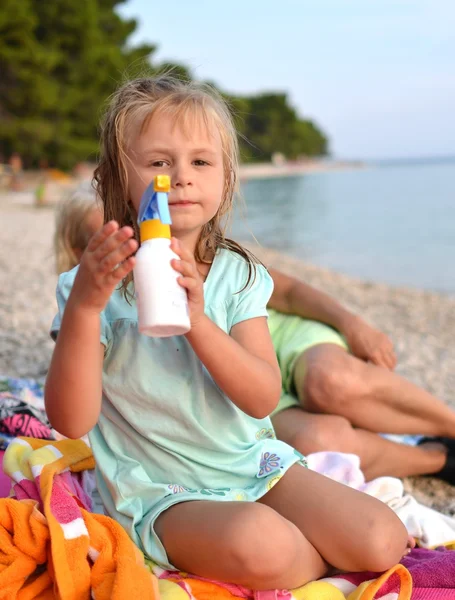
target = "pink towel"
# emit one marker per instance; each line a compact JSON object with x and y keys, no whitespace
{"x":5,"y":481}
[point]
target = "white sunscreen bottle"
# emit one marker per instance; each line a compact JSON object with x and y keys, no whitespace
{"x":162,"y":303}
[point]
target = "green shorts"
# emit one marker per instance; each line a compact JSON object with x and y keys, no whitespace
{"x":291,"y":336}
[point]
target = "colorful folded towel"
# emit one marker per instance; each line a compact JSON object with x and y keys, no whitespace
{"x":354,"y":586}
{"x":51,"y":547}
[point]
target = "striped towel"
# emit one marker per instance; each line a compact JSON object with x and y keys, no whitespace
{"x":395,"y":584}
{"x":51,"y":546}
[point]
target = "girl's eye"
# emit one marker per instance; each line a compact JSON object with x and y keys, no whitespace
{"x":200,"y":163}
{"x":159,"y":164}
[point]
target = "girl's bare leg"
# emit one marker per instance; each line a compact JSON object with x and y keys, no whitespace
{"x":351,"y":530}
{"x":239,"y":542}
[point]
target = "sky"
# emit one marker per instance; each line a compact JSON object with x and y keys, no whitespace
{"x":378,"y":76}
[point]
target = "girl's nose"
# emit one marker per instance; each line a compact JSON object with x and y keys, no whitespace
{"x":181,"y":176}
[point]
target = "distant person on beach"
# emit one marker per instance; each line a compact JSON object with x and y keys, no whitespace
{"x":15,"y":163}
{"x":332,"y":399}
{"x":186,"y":456}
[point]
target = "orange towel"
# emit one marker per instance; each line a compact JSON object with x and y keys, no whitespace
{"x":62,"y":551}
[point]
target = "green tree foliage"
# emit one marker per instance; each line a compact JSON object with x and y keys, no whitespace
{"x":269,"y":124}
{"x":61,"y":59}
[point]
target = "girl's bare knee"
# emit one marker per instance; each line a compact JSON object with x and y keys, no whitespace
{"x":387,"y":543}
{"x":270,"y":547}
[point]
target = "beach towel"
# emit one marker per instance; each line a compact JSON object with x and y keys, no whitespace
{"x":22,"y":410}
{"x":432,"y":573}
{"x":48,"y":537}
{"x":422,"y":575}
{"x":395,"y":584}
{"x":51,"y":546}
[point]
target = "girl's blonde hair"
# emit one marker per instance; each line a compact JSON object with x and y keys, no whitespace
{"x":71,"y":231}
{"x":130,"y":109}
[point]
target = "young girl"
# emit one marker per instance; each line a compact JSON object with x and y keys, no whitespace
{"x":77,"y":218}
{"x":187,"y":460}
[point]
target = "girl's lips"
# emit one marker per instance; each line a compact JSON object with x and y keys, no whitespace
{"x":181,"y":203}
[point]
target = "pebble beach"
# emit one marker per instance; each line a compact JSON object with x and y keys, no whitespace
{"x":421,"y":323}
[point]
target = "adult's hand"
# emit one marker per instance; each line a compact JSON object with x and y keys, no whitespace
{"x":368,"y":343}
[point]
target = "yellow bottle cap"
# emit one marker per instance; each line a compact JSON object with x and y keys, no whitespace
{"x":162,"y":183}
{"x":154,"y":229}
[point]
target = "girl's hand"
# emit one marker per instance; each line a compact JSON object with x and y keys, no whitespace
{"x":368,"y":343}
{"x":190,"y":280}
{"x":105,"y":262}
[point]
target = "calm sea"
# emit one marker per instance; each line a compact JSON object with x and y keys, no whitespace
{"x":393,"y":223}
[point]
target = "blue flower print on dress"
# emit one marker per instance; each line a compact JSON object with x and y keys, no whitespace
{"x":177,"y":489}
{"x":265,"y":434}
{"x":206,"y":491}
{"x":269,"y":462}
{"x":215,"y":492}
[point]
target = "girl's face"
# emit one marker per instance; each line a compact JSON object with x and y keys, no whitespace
{"x":91,"y":224}
{"x":194,"y":162}
{"x":93,"y":221}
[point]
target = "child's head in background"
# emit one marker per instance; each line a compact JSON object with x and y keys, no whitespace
{"x":176,"y":114}
{"x":78,"y":217}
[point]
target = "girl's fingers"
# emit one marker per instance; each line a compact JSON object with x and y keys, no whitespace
{"x":189,"y":283}
{"x":112,"y":242}
{"x":176,"y":246}
{"x":101,"y":236}
{"x":117,"y":256}
{"x":184,"y":267}
{"x":181,"y":251}
{"x":122,"y":270}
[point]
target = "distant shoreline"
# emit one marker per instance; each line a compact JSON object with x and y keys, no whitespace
{"x":291,"y":169}
{"x":59,"y":183}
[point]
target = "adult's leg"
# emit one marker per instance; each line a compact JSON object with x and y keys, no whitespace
{"x":308,"y":432}
{"x":328,"y":380}
{"x":238,"y":542}
{"x":350,"y":529}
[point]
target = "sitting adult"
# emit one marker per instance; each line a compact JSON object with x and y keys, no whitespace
{"x":340,"y":389}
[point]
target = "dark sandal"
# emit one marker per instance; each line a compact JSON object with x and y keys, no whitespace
{"x":447,"y":473}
